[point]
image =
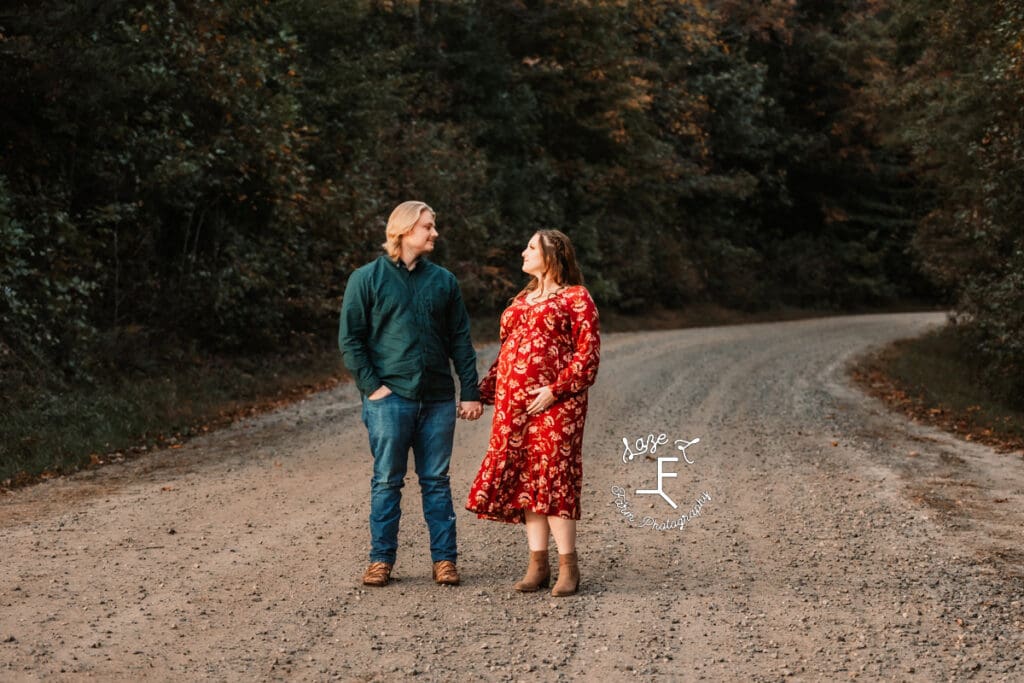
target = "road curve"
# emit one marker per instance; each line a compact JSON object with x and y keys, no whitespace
{"x":816,"y":537}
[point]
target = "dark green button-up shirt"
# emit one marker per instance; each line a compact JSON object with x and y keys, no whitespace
{"x":401,"y":327}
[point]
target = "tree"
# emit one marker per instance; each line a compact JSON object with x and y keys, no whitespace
{"x":832,"y":192}
{"x":959,"y":98}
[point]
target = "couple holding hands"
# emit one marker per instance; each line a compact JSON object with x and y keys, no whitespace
{"x":402,"y":322}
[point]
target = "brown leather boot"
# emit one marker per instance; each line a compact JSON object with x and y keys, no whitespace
{"x":445,"y":573}
{"x":538,"y":573}
{"x":568,"y":575}
{"x":377,"y":574}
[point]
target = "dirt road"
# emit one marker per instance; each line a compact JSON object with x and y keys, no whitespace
{"x":816,"y":538}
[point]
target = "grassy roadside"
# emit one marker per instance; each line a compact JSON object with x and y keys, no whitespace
{"x":931,"y":380}
{"x":46,"y":433}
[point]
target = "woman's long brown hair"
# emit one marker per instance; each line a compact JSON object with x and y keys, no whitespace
{"x":559,"y":260}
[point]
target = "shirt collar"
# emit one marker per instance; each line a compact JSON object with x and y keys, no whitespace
{"x":399,"y":263}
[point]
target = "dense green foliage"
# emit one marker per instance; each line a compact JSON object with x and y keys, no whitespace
{"x":190,"y":176}
{"x":960,"y":106}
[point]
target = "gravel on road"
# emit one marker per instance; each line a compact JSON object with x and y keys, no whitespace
{"x":815,"y":537}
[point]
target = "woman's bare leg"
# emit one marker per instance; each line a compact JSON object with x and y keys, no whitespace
{"x":564,"y":531}
{"x":537,"y":531}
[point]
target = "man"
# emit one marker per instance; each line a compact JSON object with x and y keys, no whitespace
{"x":402,"y":319}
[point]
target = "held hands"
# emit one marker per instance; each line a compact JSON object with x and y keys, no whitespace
{"x":470,"y":410}
{"x":543,"y":400}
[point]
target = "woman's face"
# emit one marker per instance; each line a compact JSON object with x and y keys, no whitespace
{"x":533,"y":258}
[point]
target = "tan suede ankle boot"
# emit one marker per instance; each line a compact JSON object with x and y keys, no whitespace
{"x":538,"y":573}
{"x":568,"y":575}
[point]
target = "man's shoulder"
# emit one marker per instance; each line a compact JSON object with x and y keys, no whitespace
{"x":378,"y":262}
{"x":364,"y":279}
{"x":368,"y":269}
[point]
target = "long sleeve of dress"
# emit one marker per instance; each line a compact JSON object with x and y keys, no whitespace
{"x":490,"y":380}
{"x":487,"y":384}
{"x":581,"y":372}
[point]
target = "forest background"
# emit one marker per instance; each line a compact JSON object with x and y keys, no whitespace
{"x":186,"y":185}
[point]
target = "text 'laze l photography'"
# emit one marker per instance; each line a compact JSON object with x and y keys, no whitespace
{"x":659,"y":476}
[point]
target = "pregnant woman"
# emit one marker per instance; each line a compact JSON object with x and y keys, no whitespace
{"x":533,"y":469}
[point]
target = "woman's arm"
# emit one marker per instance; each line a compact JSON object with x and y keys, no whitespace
{"x":488,"y":382}
{"x":581,"y":371}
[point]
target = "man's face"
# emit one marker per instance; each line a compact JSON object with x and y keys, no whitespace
{"x":420,"y":240}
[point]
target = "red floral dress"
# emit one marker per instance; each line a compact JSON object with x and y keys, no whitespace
{"x":536,"y":462}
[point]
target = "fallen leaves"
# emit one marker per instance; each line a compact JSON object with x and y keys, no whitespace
{"x":964,"y":424}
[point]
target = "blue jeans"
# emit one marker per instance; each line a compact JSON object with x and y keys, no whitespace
{"x":395,"y":425}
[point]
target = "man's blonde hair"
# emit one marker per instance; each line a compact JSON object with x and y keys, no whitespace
{"x":401,"y":221}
